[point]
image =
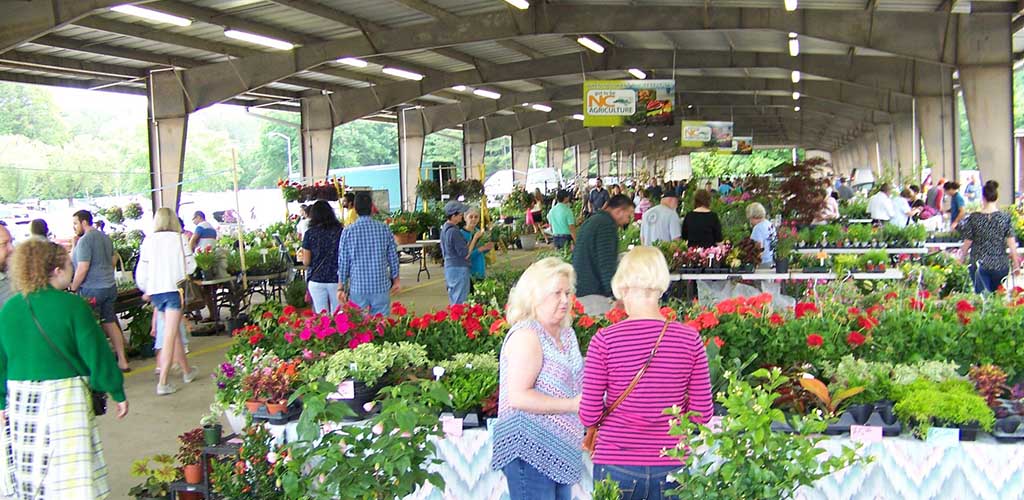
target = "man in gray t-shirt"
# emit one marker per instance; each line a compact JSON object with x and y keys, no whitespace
{"x":93,"y":258}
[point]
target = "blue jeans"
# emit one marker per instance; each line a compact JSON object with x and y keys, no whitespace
{"x":377,"y":303}
{"x":561,"y":240}
{"x":986,"y":280}
{"x":639,"y":482}
{"x":325,"y":296}
{"x":457,"y":279}
{"x":527,"y":483}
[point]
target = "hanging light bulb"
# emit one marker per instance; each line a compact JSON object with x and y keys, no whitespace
{"x":794,"y":45}
{"x":795,"y":76}
{"x":796,"y":96}
{"x":790,"y":5}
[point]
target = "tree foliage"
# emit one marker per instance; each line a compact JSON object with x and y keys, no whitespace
{"x":709,"y":165}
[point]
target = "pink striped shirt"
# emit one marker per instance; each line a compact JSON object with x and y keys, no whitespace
{"x":637,"y":431}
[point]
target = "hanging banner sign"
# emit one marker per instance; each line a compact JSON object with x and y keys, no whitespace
{"x":707,"y":135}
{"x":742,"y":145}
{"x":616,"y":103}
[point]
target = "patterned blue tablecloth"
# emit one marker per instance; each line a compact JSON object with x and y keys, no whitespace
{"x":904,"y":468}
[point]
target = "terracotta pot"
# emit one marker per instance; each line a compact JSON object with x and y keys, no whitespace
{"x":405,"y":238}
{"x":253,"y":406}
{"x":193,"y":474}
{"x":276,"y":408}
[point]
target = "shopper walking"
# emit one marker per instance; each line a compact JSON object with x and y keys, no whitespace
{"x":472,"y":233}
{"x":661,"y":223}
{"x":987,"y":234}
{"x":320,"y":256}
{"x":562,"y":220}
{"x":93,"y":257}
{"x":956,"y":204}
{"x":701,"y":227}
{"x":455,"y":250}
{"x":597,"y":253}
{"x":537,"y":435}
{"x":668,"y":362}
{"x":51,"y":352}
{"x":535,"y":215}
{"x":763,"y":231}
{"x":6,"y":249}
{"x":367,"y":261}
{"x":165,"y":259}
{"x":204,"y":235}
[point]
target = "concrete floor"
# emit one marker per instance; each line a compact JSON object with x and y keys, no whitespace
{"x":153,"y":423}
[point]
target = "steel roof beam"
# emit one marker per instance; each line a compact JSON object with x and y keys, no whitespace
{"x":25,"y":21}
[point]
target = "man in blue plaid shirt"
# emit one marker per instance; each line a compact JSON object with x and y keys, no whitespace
{"x":367,"y":261}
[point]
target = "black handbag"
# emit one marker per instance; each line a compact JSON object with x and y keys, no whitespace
{"x":99,"y":398}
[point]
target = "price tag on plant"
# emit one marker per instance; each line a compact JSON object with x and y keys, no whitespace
{"x":865,"y":434}
{"x":452,"y":426}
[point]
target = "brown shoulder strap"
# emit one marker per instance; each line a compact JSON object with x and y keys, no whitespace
{"x":636,"y":378}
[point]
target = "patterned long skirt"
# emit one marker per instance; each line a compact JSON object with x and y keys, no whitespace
{"x":53,"y":446}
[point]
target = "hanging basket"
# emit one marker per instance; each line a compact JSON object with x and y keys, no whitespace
{"x":405,"y":238}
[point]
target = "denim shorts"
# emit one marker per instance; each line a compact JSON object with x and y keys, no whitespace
{"x":102,"y":301}
{"x":165,"y":301}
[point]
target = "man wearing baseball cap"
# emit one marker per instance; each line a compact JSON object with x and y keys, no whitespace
{"x":456,"y":254}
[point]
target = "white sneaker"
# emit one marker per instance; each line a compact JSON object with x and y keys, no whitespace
{"x":165,"y":389}
{"x":191,"y":375}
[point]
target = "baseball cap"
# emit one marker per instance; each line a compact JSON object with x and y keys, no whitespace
{"x":453,"y":207}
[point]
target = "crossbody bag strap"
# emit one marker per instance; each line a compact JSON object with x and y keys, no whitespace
{"x":636,"y":378}
{"x":50,"y":342}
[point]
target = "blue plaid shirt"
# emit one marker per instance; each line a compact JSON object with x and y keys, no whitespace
{"x":366,"y":253}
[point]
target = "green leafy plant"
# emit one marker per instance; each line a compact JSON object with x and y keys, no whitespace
{"x":404,"y":223}
{"x":843,"y":263}
{"x":630,"y":236}
{"x":751,"y":461}
{"x":157,"y":473}
{"x":295,"y":293}
{"x":114,"y":215}
{"x":190,"y":449}
{"x":607,"y":489}
{"x":831,"y":403}
{"x":253,"y":474}
{"x":719,"y":368}
{"x":951,"y":403}
{"x":428,"y":190}
{"x":369,"y":363}
{"x":860,"y":233}
{"x":874,"y":377}
{"x":132,"y":210}
{"x":471,"y":379}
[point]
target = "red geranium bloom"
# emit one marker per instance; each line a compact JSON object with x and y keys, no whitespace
{"x":496,"y":326}
{"x":268,"y":315}
{"x":255,"y":338}
{"x":804,"y":308}
{"x":398,"y":309}
{"x":409,"y":333}
{"x":668,"y":313}
{"x":853,"y":311}
{"x":916,"y":304}
{"x":577,"y":307}
{"x":867,"y":322}
{"x":875,"y":309}
{"x":718,"y":341}
{"x":815,"y":340}
{"x":615,"y":315}
{"x":471,"y":335}
{"x":776,"y":319}
{"x":965,"y":319}
{"x":477,"y":310}
{"x":458,"y":309}
{"x":308,"y":313}
{"x":585,"y":321}
{"x":727,"y":306}
{"x":891,"y":295}
{"x":494,"y":313}
{"x":855,"y":339}
{"x":288,"y":310}
{"x":693,"y":324}
{"x":707,"y":320}
{"x":924,"y":294}
{"x":964,"y":307}
{"x":440,"y":316}
{"x":472,"y":325}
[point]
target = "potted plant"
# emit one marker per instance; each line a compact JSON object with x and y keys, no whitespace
{"x":428,"y":190}
{"x":470,"y":379}
{"x":158,"y":472}
{"x":860,"y":234}
{"x":784,"y":242}
{"x":947,"y":404}
{"x":278,"y":387}
{"x":212,"y":430}
{"x":132,"y":211}
{"x":719,"y":368}
{"x":190,"y":455}
{"x":990,"y":382}
{"x":405,"y":227}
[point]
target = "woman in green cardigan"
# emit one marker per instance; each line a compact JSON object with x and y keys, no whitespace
{"x":44,"y":395}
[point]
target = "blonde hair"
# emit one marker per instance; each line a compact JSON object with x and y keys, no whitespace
{"x":643,"y":267}
{"x":756,"y":210}
{"x":166,"y":220}
{"x":533,"y":285}
{"x":33,"y":263}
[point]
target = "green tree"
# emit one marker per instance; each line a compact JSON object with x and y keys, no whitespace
{"x":709,"y":165}
{"x":29,"y":110}
{"x":445,"y":145}
{"x":498,"y":154}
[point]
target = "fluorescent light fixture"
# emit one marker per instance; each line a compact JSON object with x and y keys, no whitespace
{"x":689,"y":106}
{"x":487,"y":93}
{"x":265,"y":41}
{"x":640,"y":75}
{"x":519,"y":4}
{"x":351,"y":61}
{"x":459,"y":88}
{"x":590,"y":44}
{"x":664,"y":138}
{"x":577,"y":116}
{"x":793,"y":34}
{"x":956,"y":74}
{"x":795,"y":76}
{"x":796,"y":96}
{"x":796,"y":108}
{"x":152,"y":15}
{"x":794,"y":47}
{"x":650,"y":134}
{"x":401,"y":73}
{"x":541,"y":107}
{"x":632,"y":129}
{"x":790,"y":5}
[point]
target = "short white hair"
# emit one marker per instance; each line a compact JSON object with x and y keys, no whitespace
{"x":534,"y":285}
{"x":643,"y":267}
{"x":473,"y":210}
{"x":756,"y":210}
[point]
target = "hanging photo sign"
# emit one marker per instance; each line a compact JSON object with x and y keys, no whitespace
{"x":742,"y":145}
{"x":616,"y":103}
{"x":707,"y":135}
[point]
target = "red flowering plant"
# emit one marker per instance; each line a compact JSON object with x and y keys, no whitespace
{"x":292,"y":332}
{"x":458,"y":328}
{"x":273,"y":383}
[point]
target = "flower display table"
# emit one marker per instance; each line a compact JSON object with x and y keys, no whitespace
{"x":891,"y":274}
{"x":857,"y":251}
{"x":903,"y":467}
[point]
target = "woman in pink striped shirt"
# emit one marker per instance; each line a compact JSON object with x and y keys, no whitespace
{"x":632,"y":438}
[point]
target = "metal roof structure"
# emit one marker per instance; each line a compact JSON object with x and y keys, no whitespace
{"x":861,"y":62}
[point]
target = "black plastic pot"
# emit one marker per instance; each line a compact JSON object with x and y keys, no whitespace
{"x":720,"y":410}
{"x":969,"y":431}
{"x":860,"y":413}
{"x":362,"y":395}
{"x":884,"y":409}
{"x":1008,"y":425}
{"x":782,"y":265}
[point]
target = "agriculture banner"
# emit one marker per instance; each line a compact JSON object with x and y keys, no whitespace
{"x":614,"y":103}
{"x":742,"y":145}
{"x":707,"y":135}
